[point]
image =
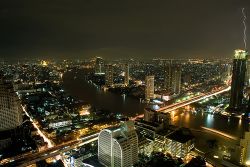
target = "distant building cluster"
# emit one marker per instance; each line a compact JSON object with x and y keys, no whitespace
{"x":63,"y":118}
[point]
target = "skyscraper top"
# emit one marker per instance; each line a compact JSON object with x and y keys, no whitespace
{"x":240,"y":54}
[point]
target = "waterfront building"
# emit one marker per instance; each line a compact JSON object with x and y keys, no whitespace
{"x":238,"y":80}
{"x":248,"y":73}
{"x":248,"y":102}
{"x":245,"y":149}
{"x":149,"y":89}
{"x":179,"y":143}
{"x":99,"y":65}
{"x":157,"y":134}
{"x":109,"y":75}
{"x":176,"y":141}
{"x":126,"y":75}
{"x":157,"y":117}
{"x":118,"y":146}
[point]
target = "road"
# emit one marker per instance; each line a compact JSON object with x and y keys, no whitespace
{"x":31,"y":158}
{"x":200,"y":97}
{"x":194,"y":99}
{"x":52,"y":151}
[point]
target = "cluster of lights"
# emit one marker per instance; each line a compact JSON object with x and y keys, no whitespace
{"x":240,"y":54}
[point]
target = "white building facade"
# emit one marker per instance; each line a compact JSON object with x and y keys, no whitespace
{"x":118,"y":147}
{"x":10,"y":107}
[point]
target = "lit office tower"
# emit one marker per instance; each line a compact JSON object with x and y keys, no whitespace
{"x":109,"y":75}
{"x":238,"y":79}
{"x":167,"y":71}
{"x":228,"y":70}
{"x":248,"y":73}
{"x":118,"y":146}
{"x":99,"y":65}
{"x":176,"y":79}
{"x":149,"y":89}
{"x":126,"y":75}
{"x":10,"y":107}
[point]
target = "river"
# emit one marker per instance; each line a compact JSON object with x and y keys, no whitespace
{"x":115,"y":103}
{"x":129,"y":106}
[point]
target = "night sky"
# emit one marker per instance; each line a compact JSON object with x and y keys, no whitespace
{"x":121,"y":28}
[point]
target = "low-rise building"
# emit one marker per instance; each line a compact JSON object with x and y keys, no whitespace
{"x":164,"y":137}
{"x":180,"y":142}
{"x":59,"y":123}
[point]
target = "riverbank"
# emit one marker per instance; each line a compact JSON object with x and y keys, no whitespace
{"x":75,"y":84}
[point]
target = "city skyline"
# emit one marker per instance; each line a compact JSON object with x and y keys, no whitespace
{"x":142,"y":29}
{"x":124,"y":83}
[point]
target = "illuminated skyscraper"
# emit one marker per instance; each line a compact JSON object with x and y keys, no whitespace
{"x":126,"y":76}
{"x":245,"y":149}
{"x":10,"y":107}
{"x":149,"y":89}
{"x":167,"y":79}
{"x":118,"y":146}
{"x":238,"y":79}
{"x":248,"y":73}
{"x":109,"y":75}
{"x":172,"y":81}
{"x":99,"y":65}
{"x":176,"y":79}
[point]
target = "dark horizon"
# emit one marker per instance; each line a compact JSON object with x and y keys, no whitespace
{"x":110,"y":29}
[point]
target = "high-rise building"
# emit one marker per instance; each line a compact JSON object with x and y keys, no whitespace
{"x":176,"y":79}
{"x":10,"y":107}
{"x":248,"y":73}
{"x":238,"y":80}
{"x":248,"y":102}
{"x":172,"y":81}
{"x":118,"y":146}
{"x":10,"y":114}
{"x":109,"y":75}
{"x":149,"y":89}
{"x":245,"y":149}
{"x":99,"y":65}
{"x":126,"y":75}
{"x":167,"y":71}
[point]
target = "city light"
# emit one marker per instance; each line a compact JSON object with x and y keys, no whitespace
{"x":50,"y":144}
{"x":126,"y":92}
{"x":220,"y":133}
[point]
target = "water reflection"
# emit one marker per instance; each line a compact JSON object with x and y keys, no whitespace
{"x":209,"y":121}
{"x":94,"y":95}
{"x":231,"y":126}
{"x":131,"y":106}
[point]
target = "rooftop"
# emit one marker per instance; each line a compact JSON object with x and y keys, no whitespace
{"x":181,"y":135}
{"x":93,"y":161}
{"x":240,"y":54}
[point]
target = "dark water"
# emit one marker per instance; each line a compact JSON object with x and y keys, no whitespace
{"x":88,"y":92}
{"x":231,"y":125}
{"x":131,"y":106}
